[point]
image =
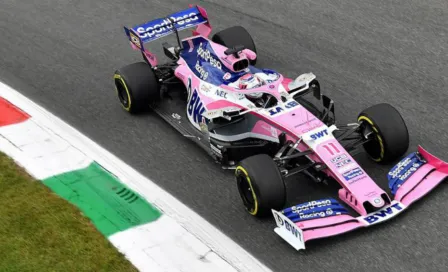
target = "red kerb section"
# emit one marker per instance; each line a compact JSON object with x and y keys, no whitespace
{"x":10,"y":114}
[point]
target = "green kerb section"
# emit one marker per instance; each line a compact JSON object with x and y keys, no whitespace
{"x":111,"y":206}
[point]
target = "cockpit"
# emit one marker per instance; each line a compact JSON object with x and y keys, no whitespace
{"x":256,"y":80}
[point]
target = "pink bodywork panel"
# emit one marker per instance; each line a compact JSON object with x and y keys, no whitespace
{"x":286,"y":82}
{"x":298,"y":121}
{"x":263,"y":128}
{"x":425,"y":179}
{"x":203,"y":29}
{"x":216,"y":105}
{"x":329,"y":226}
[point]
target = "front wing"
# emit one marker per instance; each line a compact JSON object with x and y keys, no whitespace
{"x":409,"y":180}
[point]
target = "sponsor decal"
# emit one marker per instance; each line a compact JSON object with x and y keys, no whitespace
{"x":403,"y":170}
{"x":384,"y":214}
{"x":279,"y":109}
{"x":313,"y":214}
{"x":356,"y":180}
{"x":221,"y":93}
{"x":165,"y":25}
{"x":271,"y":86}
{"x":205,"y":88}
{"x":351,"y":174}
{"x":311,"y":205}
{"x":227,"y":76}
{"x":135,"y":40}
{"x":195,"y":108}
{"x":319,"y":134}
{"x":289,"y":227}
{"x":343,"y":163}
{"x":314,"y":209}
{"x":202,"y":73}
{"x":341,"y":160}
{"x":208,"y":57}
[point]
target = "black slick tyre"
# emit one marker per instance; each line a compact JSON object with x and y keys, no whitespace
{"x":236,"y":35}
{"x":137,"y":87}
{"x":390,"y":139}
{"x":260,"y":185}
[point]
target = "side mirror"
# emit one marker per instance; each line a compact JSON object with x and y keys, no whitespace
{"x":315,"y":87}
{"x":328,"y":104}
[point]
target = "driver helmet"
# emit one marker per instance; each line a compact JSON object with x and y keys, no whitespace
{"x":249,"y":81}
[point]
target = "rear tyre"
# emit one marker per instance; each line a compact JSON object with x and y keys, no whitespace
{"x":391,"y":136}
{"x":236,"y":35}
{"x":137,"y":87}
{"x":260,"y":185}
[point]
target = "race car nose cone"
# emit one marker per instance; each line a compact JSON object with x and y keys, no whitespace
{"x":378,"y":202}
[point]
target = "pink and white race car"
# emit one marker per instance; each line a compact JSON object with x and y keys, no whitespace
{"x":268,"y":127}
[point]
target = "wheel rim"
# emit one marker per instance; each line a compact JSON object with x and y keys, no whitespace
{"x":122,"y":93}
{"x":375,"y":146}
{"x":246,"y":193}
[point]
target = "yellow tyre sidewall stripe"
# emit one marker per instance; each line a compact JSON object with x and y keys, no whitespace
{"x":241,"y":169}
{"x":117,"y":76}
{"x":380,"y":140}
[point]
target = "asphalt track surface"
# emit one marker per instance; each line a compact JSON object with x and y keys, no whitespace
{"x":62,"y":54}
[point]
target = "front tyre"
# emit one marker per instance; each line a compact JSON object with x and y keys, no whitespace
{"x":260,"y":185}
{"x":137,"y":87}
{"x":389,"y":133}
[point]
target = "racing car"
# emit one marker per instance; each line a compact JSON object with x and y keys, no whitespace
{"x":268,"y":127}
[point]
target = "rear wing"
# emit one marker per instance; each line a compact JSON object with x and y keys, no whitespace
{"x":158,"y":28}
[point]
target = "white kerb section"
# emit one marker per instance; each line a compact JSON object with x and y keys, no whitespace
{"x":181,"y":240}
{"x":40,"y":151}
{"x":164,"y":245}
